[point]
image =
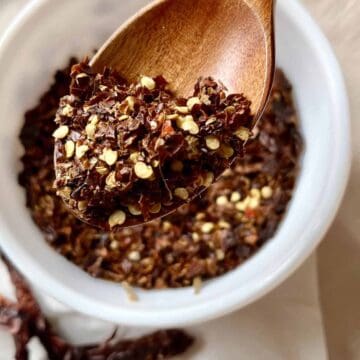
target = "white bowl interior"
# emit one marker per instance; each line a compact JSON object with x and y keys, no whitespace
{"x":42,"y":42}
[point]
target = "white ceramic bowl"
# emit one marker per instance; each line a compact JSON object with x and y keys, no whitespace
{"x":41,"y":40}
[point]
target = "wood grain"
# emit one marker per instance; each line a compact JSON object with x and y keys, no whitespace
{"x":231,"y":40}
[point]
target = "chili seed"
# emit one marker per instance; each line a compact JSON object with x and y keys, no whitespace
{"x":61,"y":132}
{"x":212,"y":142}
{"x":181,"y":193}
{"x":148,"y":82}
{"x":117,"y":218}
{"x":69,"y":148}
{"x":143,"y":171}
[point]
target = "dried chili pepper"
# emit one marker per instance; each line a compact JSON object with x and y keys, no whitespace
{"x":25,"y":320}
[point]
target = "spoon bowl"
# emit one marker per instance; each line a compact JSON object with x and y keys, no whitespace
{"x":230,"y":40}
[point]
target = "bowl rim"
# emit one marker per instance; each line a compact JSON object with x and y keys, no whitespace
{"x":234,"y":300}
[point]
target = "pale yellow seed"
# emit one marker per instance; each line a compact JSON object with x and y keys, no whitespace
{"x":193,"y":101}
{"x":155,"y":163}
{"x":205,"y":99}
{"x":177,"y":166}
{"x":109,"y":156}
{"x":90,"y":130}
{"x":207,"y":227}
{"x":224,"y":224}
{"x":117,"y":218}
{"x":153,"y":125}
{"x":147,"y":82}
{"x":179,"y":121}
{"x":94,"y":119}
{"x":241,"y":205}
{"x":197,"y":284}
{"x":192,"y":146}
{"x":226,"y":151}
{"x":227,"y":172}
{"x":134,"y":210}
{"x":254,"y":203}
{"x":81,"y":150}
{"x":64,"y":192}
{"x":210,"y":121}
{"x":103,"y":87}
{"x":69,"y":148}
{"x":114,"y":245}
{"x":131,"y":102}
{"x":102,"y":170}
{"x":212,"y":142}
{"x":93,"y":161}
{"x":195,"y":236}
{"x":230,"y":109}
{"x":134,"y":256}
{"x":67,"y":110}
{"x":134,"y":156}
{"x":191,"y":126}
{"x":182,"y":109}
{"x":111,"y":180}
{"x":266,"y":192}
{"x":143,"y":171}
{"x":61,"y":132}
{"x":82,"y":75}
{"x":255,"y":193}
{"x":200,"y":216}
{"x":166,"y":225}
{"x":82,"y":205}
{"x":243,"y":133}
{"x":159,"y":142}
{"x":188,"y":118}
{"x":208,"y":179}
{"x":222,"y":200}
{"x":235,"y":197}
{"x":123,"y":117}
{"x":172,"y":116}
{"x":220,"y":255}
{"x":181,"y":193}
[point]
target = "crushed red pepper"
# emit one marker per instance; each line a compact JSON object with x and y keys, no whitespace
{"x":25,"y":320}
{"x":128,"y":153}
{"x":201,"y":240}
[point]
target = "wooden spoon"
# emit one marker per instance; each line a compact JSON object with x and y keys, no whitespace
{"x":230,"y":40}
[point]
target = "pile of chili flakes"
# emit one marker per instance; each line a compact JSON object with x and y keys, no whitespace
{"x":129,"y":153}
{"x":206,"y":238}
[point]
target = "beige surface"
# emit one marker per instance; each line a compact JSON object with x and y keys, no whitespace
{"x":297,"y":326}
{"x":284,"y":325}
{"x":339,"y":255}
